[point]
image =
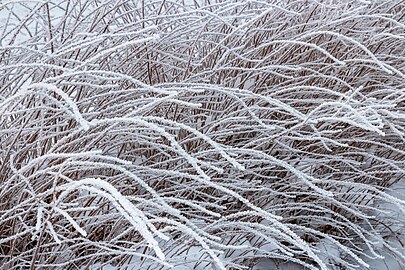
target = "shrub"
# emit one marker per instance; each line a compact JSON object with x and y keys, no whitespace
{"x":209,"y":134}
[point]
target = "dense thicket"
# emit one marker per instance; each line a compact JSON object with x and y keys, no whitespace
{"x":209,"y":134}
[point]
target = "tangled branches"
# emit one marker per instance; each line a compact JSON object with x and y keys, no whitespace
{"x":211,"y":134}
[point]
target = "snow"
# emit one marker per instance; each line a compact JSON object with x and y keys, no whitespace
{"x":202,"y":134}
{"x":391,"y":212}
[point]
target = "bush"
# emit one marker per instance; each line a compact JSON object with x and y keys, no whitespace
{"x":208,"y":134}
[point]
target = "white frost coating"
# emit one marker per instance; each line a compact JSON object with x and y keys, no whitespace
{"x":199,"y":239}
{"x":71,"y":221}
{"x":153,"y":38}
{"x":134,"y":215}
{"x":40,"y":159}
{"x":364,"y":48}
{"x":38,"y":224}
{"x":53,"y":233}
{"x":10,"y":2}
{"x":204,"y":137}
{"x":193,"y":161}
{"x":248,"y":132}
{"x":311,"y":45}
{"x":78,"y":116}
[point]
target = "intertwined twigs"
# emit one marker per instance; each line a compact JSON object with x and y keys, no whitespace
{"x":134,"y":133}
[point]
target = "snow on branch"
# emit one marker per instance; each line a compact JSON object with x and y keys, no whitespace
{"x":202,"y":134}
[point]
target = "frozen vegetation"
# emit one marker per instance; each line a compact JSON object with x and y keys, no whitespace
{"x":208,"y":134}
